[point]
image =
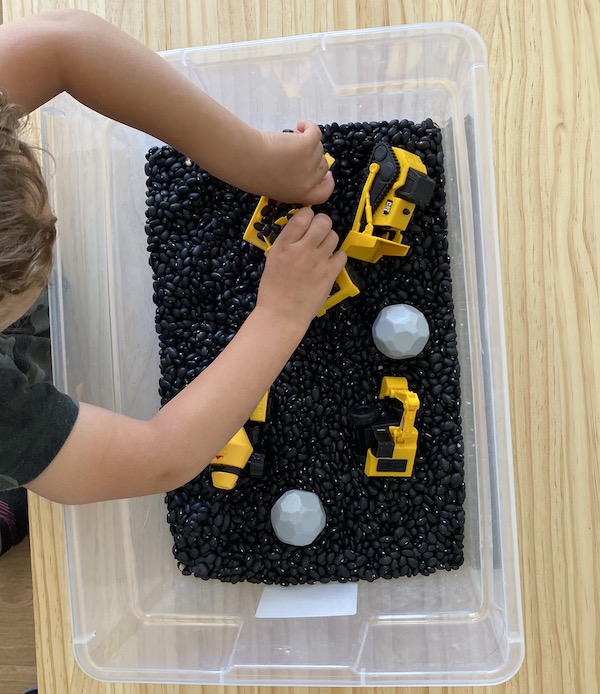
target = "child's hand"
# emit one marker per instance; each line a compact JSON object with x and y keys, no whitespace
{"x":294,"y":168}
{"x":301,"y":268}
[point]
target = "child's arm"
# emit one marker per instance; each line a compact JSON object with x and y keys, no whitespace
{"x":109,"y":456}
{"x":114,"y":74}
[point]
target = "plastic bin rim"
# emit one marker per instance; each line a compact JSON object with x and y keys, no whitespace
{"x":456,"y":29}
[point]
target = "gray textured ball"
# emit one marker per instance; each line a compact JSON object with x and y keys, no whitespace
{"x":298,"y":517}
{"x":400,"y":331}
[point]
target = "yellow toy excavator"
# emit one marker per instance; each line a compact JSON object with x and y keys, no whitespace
{"x":226,"y":467}
{"x":387,"y":450}
{"x":396,"y":182}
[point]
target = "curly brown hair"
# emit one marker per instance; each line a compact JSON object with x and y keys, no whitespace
{"x":27,"y":225}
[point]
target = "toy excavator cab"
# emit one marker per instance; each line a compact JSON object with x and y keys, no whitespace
{"x":226,"y":467}
{"x":390,"y":450}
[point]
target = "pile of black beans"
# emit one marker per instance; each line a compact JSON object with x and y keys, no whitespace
{"x":205,"y":284}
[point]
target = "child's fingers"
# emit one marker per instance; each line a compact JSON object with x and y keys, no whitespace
{"x":309,"y":128}
{"x":321,"y":192}
{"x":330,"y":242}
{"x":296,"y":228}
{"x":307,"y":227}
{"x":338,"y":261}
{"x":318,"y":231}
{"x":311,"y":134}
{"x":323,"y":166}
{"x":301,"y":125}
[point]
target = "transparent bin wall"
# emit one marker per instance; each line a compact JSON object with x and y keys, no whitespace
{"x":135,"y":617}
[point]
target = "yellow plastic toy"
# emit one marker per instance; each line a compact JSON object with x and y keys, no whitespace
{"x":255,"y":235}
{"x":396,"y":445}
{"x":265,"y":207}
{"x":343,"y":288}
{"x":227,"y":465}
{"x":396,"y":182}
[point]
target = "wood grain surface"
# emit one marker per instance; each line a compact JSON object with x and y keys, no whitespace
{"x":545,"y":92}
{"x":17,"y":647}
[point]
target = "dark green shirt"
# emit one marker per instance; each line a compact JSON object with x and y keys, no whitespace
{"x":35,"y":418}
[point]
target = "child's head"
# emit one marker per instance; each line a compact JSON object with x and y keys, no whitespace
{"x":27,"y":228}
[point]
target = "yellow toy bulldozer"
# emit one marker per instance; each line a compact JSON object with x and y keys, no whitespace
{"x":396,"y":182}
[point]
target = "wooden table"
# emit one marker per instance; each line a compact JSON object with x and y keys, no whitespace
{"x":545,"y":92}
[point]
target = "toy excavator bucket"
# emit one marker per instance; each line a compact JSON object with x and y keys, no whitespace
{"x":343,"y":289}
{"x":362,"y":245}
{"x":255,"y":231}
{"x":266,"y":208}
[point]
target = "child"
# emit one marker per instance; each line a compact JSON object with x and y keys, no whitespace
{"x":77,"y":453}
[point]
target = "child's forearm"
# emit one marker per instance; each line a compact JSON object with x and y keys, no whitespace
{"x":114,"y":74}
{"x":121,"y":78}
{"x":109,"y":455}
{"x":220,"y":400}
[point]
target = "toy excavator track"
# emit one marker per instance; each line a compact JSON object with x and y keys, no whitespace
{"x":389,"y":170}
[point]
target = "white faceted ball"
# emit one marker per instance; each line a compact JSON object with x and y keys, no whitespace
{"x":298,"y":517}
{"x":400,"y":331}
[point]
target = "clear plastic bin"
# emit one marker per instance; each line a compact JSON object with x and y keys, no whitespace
{"x":135,"y":618}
